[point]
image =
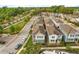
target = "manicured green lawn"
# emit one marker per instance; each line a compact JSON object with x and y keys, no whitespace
{"x":72,"y":50}
{"x":31,"y":48}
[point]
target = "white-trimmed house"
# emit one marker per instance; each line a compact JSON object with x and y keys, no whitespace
{"x":53,"y":35}
{"x":38,"y":34}
{"x":40,"y":38}
{"x":70,"y":34}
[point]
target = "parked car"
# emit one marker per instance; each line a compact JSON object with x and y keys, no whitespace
{"x":18,"y":46}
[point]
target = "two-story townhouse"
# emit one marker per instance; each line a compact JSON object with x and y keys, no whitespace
{"x":53,"y":35}
{"x":70,"y":34}
{"x":38,"y":32}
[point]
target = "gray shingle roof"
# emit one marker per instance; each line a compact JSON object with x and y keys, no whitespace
{"x":67,"y":29}
{"x":58,"y":20}
{"x":51,"y":29}
{"x":38,"y":28}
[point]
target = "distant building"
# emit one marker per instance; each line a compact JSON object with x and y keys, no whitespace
{"x":56,"y":20}
{"x":77,"y":20}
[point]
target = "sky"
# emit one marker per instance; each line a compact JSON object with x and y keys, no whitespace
{"x":38,"y":3}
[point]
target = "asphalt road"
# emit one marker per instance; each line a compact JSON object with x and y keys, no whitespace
{"x":18,"y":39}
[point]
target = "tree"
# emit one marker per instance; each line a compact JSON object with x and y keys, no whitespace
{"x":63,"y":41}
{"x":12,"y":29}
{"x":1,"y":29}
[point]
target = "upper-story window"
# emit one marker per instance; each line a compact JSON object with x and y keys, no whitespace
{"x":39,"y":36}
{"x":77,"y":35}
{"x":71,"y":35}
{"x":53,"y":36}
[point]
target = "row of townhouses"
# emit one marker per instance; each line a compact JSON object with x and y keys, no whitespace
{"x":50,"y":29}
{"x":70,"y":34}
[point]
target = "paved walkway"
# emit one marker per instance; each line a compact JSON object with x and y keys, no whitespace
{"x":58,"y":47}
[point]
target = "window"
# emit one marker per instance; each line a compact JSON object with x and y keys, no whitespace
{"x":70,"y":39}
{"x":77,"y":35}
{"x":71,"y":35}
{"x":53,"y":36}
{"x":52,"y":40}
{"x":39,"y":36}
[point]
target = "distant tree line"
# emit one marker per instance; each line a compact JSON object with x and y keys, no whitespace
{"x":57,"y":9}
{"x":6,"y":14}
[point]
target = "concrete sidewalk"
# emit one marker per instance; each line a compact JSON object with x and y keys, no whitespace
{"x":58,"y":47}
